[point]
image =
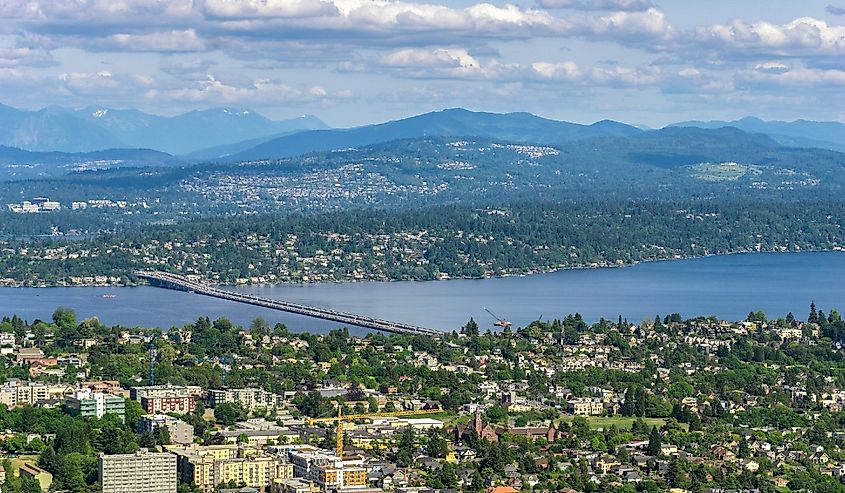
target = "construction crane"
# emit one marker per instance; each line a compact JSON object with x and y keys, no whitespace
{"x":500,"y":322}
{"x":340,"y":418}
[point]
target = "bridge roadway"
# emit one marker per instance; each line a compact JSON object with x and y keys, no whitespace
{"x":172,"y":281}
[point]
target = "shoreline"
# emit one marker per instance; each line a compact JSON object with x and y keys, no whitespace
{"x":530,"y":272}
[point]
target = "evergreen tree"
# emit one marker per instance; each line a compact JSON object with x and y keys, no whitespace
{"x":654,"y":442}
{"x":744,"y":450}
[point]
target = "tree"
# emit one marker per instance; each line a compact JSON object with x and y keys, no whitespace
{"x":228,"y":414}
{"x":654,"y":443}
{"x":744,"y":450}
{"x":436,"y":446}
{"x":64,"y":318}
{"x":132,"y":412}
{"x":405,"y":447}
{"x":471,"y":328}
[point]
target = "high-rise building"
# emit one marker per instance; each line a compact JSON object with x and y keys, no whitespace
{"x":143,"y":471}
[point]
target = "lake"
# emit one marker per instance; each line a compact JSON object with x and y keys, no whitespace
{"x":726,"y":286}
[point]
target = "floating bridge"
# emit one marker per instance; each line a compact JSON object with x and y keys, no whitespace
{"x":180,"y":283}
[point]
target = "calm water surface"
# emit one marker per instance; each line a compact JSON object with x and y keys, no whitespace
{"x":728,"y":287}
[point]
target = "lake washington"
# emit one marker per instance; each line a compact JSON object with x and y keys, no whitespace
{"x":726,"y":286}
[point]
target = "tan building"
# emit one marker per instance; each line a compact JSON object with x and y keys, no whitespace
{"x":586,"y":407}
{"x":327,"y":469}
{"x":143,"y":471}
{"x":249,"y":399}
{"x":206,"y":467}
{"x":31,"y":471}
{"x":17,"y":393}
{"x":295,"y":485}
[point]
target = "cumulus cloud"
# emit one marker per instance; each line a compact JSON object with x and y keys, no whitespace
{"x":264,"y":91}
{"x":772,"y":67}
{"x":798,"y":78}
{"x":103,"y":83}
{"x":803,"y":36}
{"x":616,"y":76}
{"x":19,"y":56}
{"x":177,"y":41}
{"x":623,"y":5}
{"x":457,"y":63}
{"x":163,"y":26}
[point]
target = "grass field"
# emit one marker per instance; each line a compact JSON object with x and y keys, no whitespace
{"x":621,"y":422}
{"x":722,"y":171}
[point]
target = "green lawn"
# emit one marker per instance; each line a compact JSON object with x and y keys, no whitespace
{"x":621,"y":422}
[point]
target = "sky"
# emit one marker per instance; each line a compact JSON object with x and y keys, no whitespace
{"x":353,"y":62}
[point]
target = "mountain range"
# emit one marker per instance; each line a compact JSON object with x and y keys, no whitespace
{"x":90,"y":129}
{"x":20,"y":164}
{"x":456,"y":122}
{"x":798,"y":133}
{"x":233,"y":134}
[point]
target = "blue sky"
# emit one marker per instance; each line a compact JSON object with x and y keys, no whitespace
{"x":361,"y":61}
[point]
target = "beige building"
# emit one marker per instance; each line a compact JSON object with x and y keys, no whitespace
{"x":295,"y":485}
{"x":17,"y":393}
{"x":143,"y":471}
{"x":249,"y":399}
{"x":326,"y":469}
{"x":206,"y":467}
{"x":586,"y":406}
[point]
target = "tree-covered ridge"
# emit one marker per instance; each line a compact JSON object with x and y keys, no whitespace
{"x":672,"y":164}
{"x":432,"y":243}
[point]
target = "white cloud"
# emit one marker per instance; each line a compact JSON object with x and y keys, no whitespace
{"x":440,"y":58}
{"x":177,"y":41}
{"x":804,"y":36}
{"x":623,"y":5}
{"x":799,"y":78}
{"x":18,"y":56}
{"x":263,"y":91}
{"x":563,"y":71}
{"x":103,"y":83}
{"x":772,"y":67}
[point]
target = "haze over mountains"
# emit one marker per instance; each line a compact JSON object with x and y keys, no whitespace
{"x":798,"y":133}
{"x":231,"y":135}
{"x":90,"y":129}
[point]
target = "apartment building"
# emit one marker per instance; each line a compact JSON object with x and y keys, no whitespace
{"x":143,"y":471}
{"x":180,"y":432}
{"x":206,"y":467}
{"x":167,"y":398}
{"x":86,"y":402}
{"x":16,"y":393}
{"x":326,"y":469}
{"x":250,"y":399}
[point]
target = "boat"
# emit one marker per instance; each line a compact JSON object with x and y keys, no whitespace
{"x":109,"y":296}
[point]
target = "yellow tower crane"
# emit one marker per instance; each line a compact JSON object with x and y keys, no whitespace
{"x":340,"y":418}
